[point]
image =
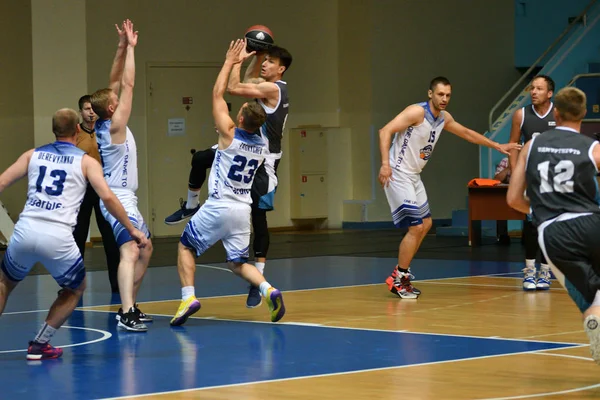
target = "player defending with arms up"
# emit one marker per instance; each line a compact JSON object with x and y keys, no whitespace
{"x":417,"y":130}
{"x":58,"y":174}
{"x":225,"y":215}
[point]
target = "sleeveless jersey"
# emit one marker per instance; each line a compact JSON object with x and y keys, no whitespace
{"x":119,"y":161}
{"x":412,"y":148}
{"x":533,"y":124}
{"x":272,"y":130}
{"x":561,"y":175}
{"x":56,"y":184}
{"x":233,"y":169}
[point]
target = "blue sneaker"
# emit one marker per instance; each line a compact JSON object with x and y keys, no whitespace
{"x":254,"y":298}
{"x":181,"y":215}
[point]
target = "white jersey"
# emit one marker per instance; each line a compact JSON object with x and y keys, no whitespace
{"x":412,"y":148}
{"x":56,"y":184}
{"x":119,"y":161}
{"x":233,"y":169}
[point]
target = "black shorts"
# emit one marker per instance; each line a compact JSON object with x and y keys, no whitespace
{"x":572,"y":245}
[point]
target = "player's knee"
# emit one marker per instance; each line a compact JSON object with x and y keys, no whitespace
{"x":130,"y":253}
{"x":203,"y":159}
{"x":235,"y":267}
{"x":417,"y":229}
{"x":427,"y":224}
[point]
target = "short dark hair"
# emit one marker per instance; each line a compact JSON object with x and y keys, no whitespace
{"x":254,"y":116}
{"x":284,"y":56}
{"x":84,"y":99}
{"x":439,"y":80}
{"x":570,"y":103}
{"x":64,"y":123}
{"x":549,"y":81}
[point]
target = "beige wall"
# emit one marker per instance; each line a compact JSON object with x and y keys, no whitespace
{"x":16,"y":94}
{"x":356,"y":65}
{"x":199,"y":31}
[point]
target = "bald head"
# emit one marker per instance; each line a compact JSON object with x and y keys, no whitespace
{"x":64,"y":123}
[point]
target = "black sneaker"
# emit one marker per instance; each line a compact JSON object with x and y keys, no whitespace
{"x":131,"y":322}
{"x":141,"y":315}
{"x":181,"y":215}
{"x":254,"y":298}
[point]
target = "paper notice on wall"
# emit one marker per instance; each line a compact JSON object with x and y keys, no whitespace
{"x":176,"y":127}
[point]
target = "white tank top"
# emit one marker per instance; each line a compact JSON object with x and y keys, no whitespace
{"x":233,"y":169}
{"x":119,"y":161}
{"x":56,"y":184}
{"x":412,"y":148}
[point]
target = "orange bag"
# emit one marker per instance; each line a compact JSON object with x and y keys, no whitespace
{"x":483,"y":182}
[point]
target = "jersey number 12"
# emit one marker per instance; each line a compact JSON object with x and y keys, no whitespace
{"x":562,"y":182}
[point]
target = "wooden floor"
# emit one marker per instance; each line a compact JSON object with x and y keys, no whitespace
{"x":472,"y":334}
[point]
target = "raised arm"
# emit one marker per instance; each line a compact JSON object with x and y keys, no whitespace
{"x":120,"y":118}
{"x":16,"y":171}
{"x":264,"y":90}
{"x":223,"y":122}
{"x":253,"y":69}
{"x":515,"y":136}
{"x":93,"y":172}
{"x":411,"y":115}
{"x":116,"y":72}
{"x":515,"y":197}
{"x":471,"y":136}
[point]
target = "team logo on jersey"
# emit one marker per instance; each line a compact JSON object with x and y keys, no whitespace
{"x":551,"y":123}
{"x":425,"y":152}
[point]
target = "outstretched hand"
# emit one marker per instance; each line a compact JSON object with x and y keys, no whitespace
{"x":132,"y":36}
{"x":508,"y":147}
{"x":234,"y":51}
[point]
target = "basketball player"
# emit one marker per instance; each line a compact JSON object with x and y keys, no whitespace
{"x":417,"y":129}
{"x":528,"y":122}
{"x":118,"y":152}
{"x":226,"y":213}
{"x":558,"y":169}
{"x":86,"y":141}
{"x":58,"y":174}
{"x":272,"y":96}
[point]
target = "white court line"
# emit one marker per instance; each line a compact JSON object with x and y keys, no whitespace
{"x":551,"y":334}
{"x":565,"y":355}
{"x":105,"y":335}
{"x":489,"y":285}
{"x":530,"y":396}
{"x":213,"y":267}
{"x":324,"y":375}
{"x":213,"y":318}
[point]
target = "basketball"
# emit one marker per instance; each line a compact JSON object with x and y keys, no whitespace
{"x":258,"y":38}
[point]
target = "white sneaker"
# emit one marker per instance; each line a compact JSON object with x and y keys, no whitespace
{"x":529,"y":281}
{"x":543,"y":282}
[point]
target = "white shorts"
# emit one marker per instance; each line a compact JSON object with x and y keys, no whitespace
{"x":129,"y":201}
{"x":225,"y":221}
{"x":408,"y":200}
{"x":50,"y":244}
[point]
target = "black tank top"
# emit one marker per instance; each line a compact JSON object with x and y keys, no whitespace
{"x":533,"y":124}
{"x":561,"y":175}
{"x":272,"y":129}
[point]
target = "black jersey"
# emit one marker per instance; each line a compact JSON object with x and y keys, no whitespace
{"x":533,"y":124}
{"x":272,"y":129}
{"x":561,"y":175}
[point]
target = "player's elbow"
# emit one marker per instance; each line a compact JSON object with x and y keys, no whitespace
{"x":512,"y":199}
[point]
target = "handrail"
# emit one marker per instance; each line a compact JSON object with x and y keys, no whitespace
{"x":587,"y":75}
{"x":580,"y":17}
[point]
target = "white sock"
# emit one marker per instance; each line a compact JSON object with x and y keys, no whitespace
{"x":530,"y":263}
{"x":264,"y":287}
{"x":260,"y":267}
{"x":187,"y":292}
{"x":544,"y":267}
{"x":45,"y":334}
{"x":596,"y":299}
{"x":193,"y":199}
